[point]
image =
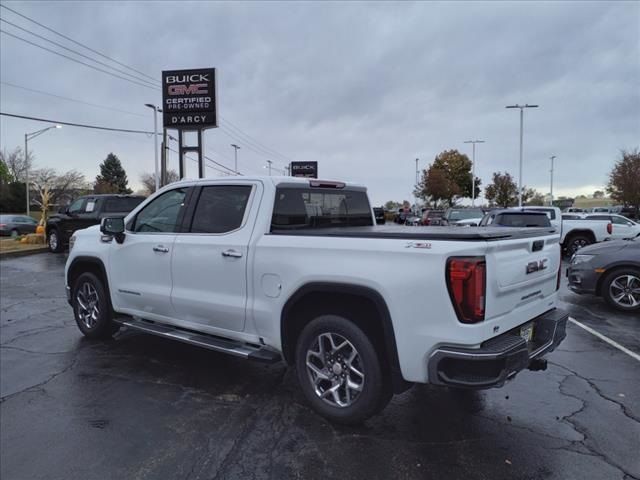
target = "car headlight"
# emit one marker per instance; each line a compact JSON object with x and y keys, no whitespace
{"x":581,"y":258}
{"x":72,"y":240}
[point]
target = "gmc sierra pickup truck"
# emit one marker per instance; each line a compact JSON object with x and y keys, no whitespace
{"x":272,"y":268}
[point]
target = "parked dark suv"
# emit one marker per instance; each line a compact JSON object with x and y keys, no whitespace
{"x":85,"y":212}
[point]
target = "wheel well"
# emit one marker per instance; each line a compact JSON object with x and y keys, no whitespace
{"x":600,"y":282}
{"x":362,"y":306}
{"x":91,"y":265}
{"x":584,"y":233}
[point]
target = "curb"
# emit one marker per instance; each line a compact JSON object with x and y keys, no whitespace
{"x":22,"y":253}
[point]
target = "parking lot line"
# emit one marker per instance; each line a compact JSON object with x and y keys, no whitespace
{"x":605,"y":339}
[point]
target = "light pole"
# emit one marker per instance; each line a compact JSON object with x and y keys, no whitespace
{"x":521,"y":107}
{"x":415,"y":193}
{"x":473,"y":170}
{"x":27,"y":137}
{"x":236,"y":148}
{"x":552,"y":157}
{"x":269,"y":162}
{"x":155,"y":141}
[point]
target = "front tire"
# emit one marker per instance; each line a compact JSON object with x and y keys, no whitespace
{"x":621,"y":289}
{"x":54,"y":241}
{"x":92,"y":308}
{"x":339,"y":370}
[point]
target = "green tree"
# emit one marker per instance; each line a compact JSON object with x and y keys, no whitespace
{"x":457,"y":169}
{"x":503,"y":190}
{"x":598,"y":194}
{"x":624,"y":179}
{"x":534,"y":198}
{"x":391,"y":205}
{"x":112,"y":178}
{"x":5,"y":176}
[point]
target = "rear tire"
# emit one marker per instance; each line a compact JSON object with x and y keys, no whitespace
{"x":92,"y":307}
{"x":339,"y":370}
{"x":621,"y":289}
{"x":54,"y":241}
{"x":577,"y":242}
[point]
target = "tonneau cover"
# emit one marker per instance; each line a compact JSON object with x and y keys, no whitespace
{"x":420,"y":233}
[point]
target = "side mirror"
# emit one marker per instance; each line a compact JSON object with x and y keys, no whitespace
{"x":113,"y":226}
{"x":380,"y":221}
{"x":63,"y":210}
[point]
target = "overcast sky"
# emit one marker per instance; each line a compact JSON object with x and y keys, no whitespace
{"x":363,"y":88}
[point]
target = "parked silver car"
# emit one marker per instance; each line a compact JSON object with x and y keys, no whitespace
{"x":610,"y":270}
{"x":15,"y":225}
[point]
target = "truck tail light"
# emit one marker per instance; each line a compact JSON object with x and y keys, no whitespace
{"x":467,"y":284}
{"x":609,"y":228}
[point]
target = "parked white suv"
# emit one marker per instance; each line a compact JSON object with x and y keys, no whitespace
{"x":283,"y":268}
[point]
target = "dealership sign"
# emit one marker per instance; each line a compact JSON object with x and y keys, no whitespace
{"x":304,"y":169}
{"x":189,"y":99}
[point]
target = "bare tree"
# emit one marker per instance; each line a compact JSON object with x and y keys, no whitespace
{"x":50,"y":186}
{"x":148,"y":180}
{"x":16,"y":164}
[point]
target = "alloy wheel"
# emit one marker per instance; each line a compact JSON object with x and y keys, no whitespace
{"x":335,"y":370}
{"x":88,"y":305}
{"x":625,"y":290}
{"x":53,"y":240}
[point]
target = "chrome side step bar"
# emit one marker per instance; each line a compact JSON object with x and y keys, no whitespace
{"x":239,"y":349}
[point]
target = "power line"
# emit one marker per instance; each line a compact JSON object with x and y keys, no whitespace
{"x":77,"y":53}
{"x":76,"y":60}
{"x":77,"y":43}
{"x":194,"y":160}
{"x":258,"y":147}
{"x":269,"y":150}
{"x":95,"y":127}
{"x":72,"y":99}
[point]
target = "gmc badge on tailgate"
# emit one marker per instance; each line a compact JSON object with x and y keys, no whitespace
{"x":536,"y":266}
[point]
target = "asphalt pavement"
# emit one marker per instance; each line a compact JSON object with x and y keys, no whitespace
{"x":141,"y":407}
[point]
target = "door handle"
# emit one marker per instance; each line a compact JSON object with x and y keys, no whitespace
{"x":232,"y":253}
{"x":161,"y":249}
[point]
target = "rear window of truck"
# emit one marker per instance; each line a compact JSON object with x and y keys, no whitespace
{"x":303,"y":208}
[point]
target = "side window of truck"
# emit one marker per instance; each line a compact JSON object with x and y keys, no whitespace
{"x":220,"y":208}
{"x":77,"y":206}
{"x":162,"y":214}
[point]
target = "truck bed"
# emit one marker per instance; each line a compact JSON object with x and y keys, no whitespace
{"x":420,"y":233}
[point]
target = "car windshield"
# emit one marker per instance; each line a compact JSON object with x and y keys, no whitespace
{"x":464,"y":214}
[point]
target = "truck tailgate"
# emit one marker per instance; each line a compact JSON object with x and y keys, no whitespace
{"x":521,"y":271}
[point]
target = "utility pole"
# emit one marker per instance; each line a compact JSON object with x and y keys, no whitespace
{"x":287,"y":169}
{"x":473,"y":170}
{"x":552,"y":157}
{"x":269,"y":162}
{"x":155,"y":141}
{"x":521,"y":107}
{"x":415,"y":194}
{"x":236,"y":148}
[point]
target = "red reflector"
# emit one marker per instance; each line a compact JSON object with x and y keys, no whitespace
{"x":466,"y":280}
{"x":609,"y":228}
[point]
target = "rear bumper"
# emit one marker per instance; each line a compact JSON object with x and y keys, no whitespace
{"x":499,"y":358}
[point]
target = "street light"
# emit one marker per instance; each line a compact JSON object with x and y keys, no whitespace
{"x":155,"y":140}
{"x":236,"y":148}
{"x":552,"y":157}
{"x":473,"y":170}
{"x":27,"y":137}
{"x":521,"y":107}
{"x":269,"y":162}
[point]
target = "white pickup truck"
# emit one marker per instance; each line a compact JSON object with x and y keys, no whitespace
{"x":272,"y":268}
{"x":578,"y":233}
